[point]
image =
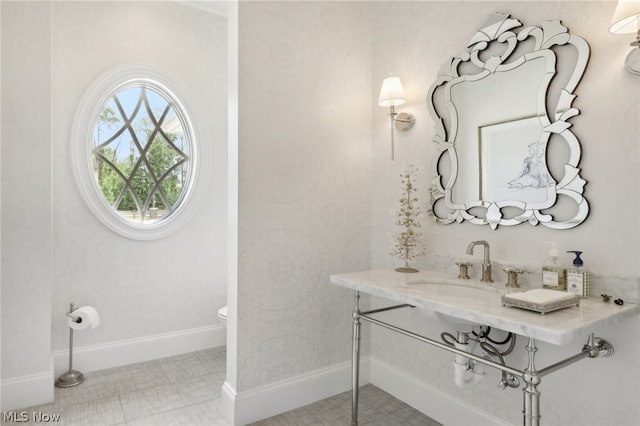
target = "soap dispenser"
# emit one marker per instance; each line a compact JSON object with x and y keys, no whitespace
{"x":578,"y":279}
{"x":554,"y":276}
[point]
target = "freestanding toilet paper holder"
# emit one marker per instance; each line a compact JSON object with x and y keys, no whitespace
{"x":71,"y":377}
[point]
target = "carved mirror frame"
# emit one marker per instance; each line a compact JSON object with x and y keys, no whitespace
{"x":480,"y":62}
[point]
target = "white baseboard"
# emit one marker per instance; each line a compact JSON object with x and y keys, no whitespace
{"x":27,"y":391}
{"x":435,"y":403}
{"x":37,"y":389}
{"x":123,"y":352}
{"x":255,"y":404}
{"x":266,"y":401}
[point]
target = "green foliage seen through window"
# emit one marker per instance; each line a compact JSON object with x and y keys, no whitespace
{"x":141,"y":155}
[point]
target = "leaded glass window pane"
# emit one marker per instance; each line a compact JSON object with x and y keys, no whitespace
{"x":141,"y":153}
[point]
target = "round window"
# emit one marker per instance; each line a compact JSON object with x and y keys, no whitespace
{"x":135,"y":156}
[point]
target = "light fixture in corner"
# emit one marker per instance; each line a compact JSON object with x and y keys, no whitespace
{"x":392,"y":95}
{"x":626,"y":20}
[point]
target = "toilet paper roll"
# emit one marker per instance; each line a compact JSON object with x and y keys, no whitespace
{"x":83,"y":318}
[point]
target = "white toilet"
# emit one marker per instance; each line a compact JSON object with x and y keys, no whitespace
{"x":222,"y":314}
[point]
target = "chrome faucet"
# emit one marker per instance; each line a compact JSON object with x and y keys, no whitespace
{"x":486,"y":264}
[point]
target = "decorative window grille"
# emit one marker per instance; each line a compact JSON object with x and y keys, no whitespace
{"x":141,"y":153}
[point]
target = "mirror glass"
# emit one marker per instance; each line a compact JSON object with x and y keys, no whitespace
{"x":502,"y":109}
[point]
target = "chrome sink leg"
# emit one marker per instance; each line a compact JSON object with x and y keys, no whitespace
{"x":355,"y":361}
{"x":531,"y":410}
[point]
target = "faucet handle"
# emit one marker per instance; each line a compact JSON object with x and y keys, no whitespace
{"x":512,"y":276}
{"x":464,"y":272}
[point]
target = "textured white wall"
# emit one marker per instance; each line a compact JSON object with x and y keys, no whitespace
{"x":412,"y":40}
{"x":54,"y":250}
{"x":295,"y":219}
{"x":415,"y":38}
{"x":304,"y":189}
{"x":140,"y":287}
{"x":309,"y":179}
{"x":26,"y":189}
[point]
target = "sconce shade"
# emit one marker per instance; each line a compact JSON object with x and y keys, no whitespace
{"x":625,"y":18}
{"x":391,"y":93}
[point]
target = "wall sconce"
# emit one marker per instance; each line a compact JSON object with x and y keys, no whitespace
{"x":391,"y":95}
{"x":626,"y":20}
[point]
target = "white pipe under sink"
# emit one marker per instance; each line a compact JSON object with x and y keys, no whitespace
{"x":466,"y":373}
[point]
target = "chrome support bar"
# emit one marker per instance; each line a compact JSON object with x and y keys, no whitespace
{"x":563,"y":363}
{"x":355,"y":356}
{"x":444,"y":346}
{"x":595,"y":347}
{"x":389,"y":308}
{"x":531,"y":404}
{"x":355,"y":360}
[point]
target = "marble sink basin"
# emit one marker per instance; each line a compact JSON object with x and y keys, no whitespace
{"x":460,"y":303}
{"x":454,"y":291}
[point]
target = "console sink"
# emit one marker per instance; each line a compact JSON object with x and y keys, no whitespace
{"x":461,"y":303}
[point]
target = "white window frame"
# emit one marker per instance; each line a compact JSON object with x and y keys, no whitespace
{"x":91,"y":106}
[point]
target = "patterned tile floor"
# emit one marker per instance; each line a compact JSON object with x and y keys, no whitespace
{"x":375,"y":408}
{"x":185,"y":391}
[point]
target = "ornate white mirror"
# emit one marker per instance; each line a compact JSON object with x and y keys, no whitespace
{"x":505,"y":151}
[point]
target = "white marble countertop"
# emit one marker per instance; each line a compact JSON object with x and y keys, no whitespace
{"x":481,"y":303}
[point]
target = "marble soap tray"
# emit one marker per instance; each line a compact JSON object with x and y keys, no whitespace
{"x":541,"y":300}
